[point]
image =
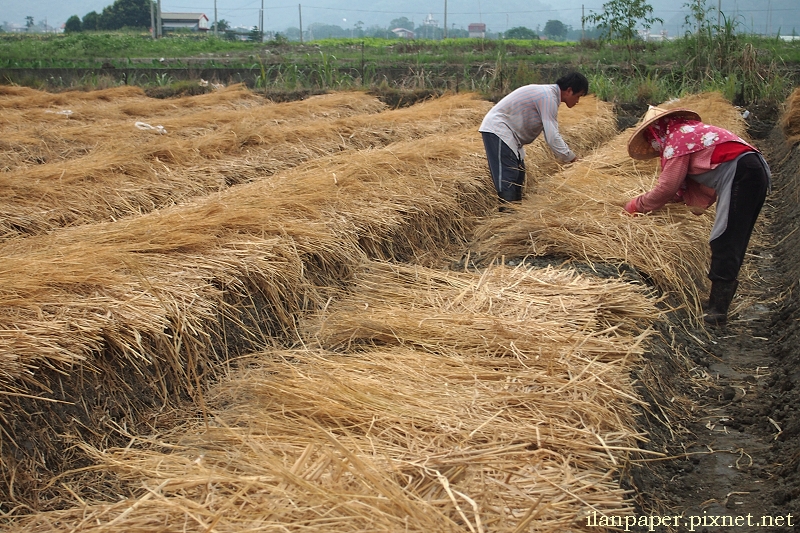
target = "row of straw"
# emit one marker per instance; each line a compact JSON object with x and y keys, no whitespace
{"x":42,"y":128}
{"x":494,"y":401}
{"x":94,"y":165}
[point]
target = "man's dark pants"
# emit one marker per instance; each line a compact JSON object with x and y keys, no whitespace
{"x":508,"y":171}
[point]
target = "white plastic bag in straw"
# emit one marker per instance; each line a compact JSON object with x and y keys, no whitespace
{"x":144,"y":126}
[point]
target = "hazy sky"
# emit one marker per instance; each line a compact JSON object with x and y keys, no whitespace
{"x":499,"y":15}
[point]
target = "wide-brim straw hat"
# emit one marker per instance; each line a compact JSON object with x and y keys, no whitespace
{"x":638,"y":147}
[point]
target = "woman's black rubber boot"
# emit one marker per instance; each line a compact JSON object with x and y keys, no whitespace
{"x":716,"y":312}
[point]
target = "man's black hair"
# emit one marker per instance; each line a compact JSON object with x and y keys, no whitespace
{"x":575,"y":81}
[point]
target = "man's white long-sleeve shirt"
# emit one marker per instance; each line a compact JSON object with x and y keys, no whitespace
{"x":523,"y":114}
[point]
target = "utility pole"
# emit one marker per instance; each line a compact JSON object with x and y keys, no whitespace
{"x":583,"y":24}
{"x":216,"y":22}
{"x":300,"y":11}
{"x":159,"y":32}
{"x":261,"y":22}
{"x":445,"y":19}
{"x":152,"y":21}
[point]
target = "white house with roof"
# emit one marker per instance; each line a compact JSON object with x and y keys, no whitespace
{"x":184,"y":21}
{"x":477,"y":29}
{"x":404,"y":33}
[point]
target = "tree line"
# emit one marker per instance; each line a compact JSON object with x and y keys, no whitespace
{"x":133,"y":14}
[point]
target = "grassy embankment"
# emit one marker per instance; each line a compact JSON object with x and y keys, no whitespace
{"x":746,"y":69}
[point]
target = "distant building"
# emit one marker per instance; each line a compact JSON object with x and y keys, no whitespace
{"x":663,"y":35}
{"x":11,"y":27}
{"x":41,"y":27}
{"x":403,"y":33}
{"x":477,"y":29}
{"x":429,"y":28}
{"x":184,"y":21}
{"x":239,"y":33}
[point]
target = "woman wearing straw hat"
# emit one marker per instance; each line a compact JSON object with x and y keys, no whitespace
{"x":701,"y":164}
{"x":518,"y":119}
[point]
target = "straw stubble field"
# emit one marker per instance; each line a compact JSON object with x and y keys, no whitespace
{"x":249,"y":318}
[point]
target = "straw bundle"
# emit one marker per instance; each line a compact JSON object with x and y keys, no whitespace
{"x":790,"y":118}
{"x":129,"y":172}
{"x":423,"y":435}
{"x":577,"y":214}
{"x":114,"y":104}
{"x":456,"y":311}
{"x":16,"y":97}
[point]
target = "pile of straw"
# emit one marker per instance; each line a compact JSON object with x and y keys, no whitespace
{"x":790,"y":118}
{"x":95,"y":165}
{"x":577,"y":214}
{"x":461,"y":311}
{"x":456,"y":420}
{"x":42,"y":128}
